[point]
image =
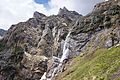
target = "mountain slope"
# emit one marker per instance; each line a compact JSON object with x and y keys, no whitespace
{"x":97,"y":61}
{"x":103,"y":64}
{"x":44,"y":46}
{"x":27,"y":46}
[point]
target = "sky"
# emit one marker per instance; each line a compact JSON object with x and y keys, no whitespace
{"x":15,"y":11}
{"x":41,"y":1}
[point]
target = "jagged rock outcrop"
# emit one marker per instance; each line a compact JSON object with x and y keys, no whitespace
{"x":69,"y":15}
{"x":27,"y":49}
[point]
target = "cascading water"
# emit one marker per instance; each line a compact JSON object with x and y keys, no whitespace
{"x":65,"y":48}
{"x":59,"y":64}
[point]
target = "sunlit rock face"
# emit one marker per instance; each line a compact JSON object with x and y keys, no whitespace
{"x":44,"y":44}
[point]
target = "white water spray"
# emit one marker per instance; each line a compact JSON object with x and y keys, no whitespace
{"x":43,"y":77}
{"x":63,"y":57}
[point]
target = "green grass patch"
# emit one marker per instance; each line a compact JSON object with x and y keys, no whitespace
{"x":100,"y":66}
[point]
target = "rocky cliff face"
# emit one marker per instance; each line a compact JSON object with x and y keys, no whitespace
{"x":30,"y":48}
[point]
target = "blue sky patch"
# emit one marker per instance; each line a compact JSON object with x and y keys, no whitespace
{"x":44,"y":2}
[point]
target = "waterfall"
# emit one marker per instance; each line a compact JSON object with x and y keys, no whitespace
{"x":65,"y":48}
{"x":65,"y":54}
{"x":43,"y":77}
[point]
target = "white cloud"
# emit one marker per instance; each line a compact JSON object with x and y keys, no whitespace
{"x":81,"y":6}
{"x":14,"y":11}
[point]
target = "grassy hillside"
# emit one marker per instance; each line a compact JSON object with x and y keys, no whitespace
{"x":104,"y":64}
